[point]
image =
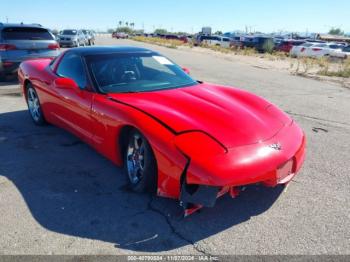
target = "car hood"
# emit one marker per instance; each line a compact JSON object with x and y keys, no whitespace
{"x":233,"y":116}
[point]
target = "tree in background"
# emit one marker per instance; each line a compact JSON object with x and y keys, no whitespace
{"x":336,"y":31}
{"x":125,"y":29}
{"x":218,"y":33}
{"x":160,"y":31}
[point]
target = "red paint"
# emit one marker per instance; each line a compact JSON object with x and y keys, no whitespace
{"x":226,"y":132}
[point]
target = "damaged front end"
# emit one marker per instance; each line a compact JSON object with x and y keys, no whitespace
{"x":212,"y":170}
{"x":194,"y":197}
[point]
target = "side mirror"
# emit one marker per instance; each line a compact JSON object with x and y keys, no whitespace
{"x":186,"y":70}
{"x":66,"y":83}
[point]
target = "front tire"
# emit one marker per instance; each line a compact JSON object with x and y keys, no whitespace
{"x":34,"y":106}
{"x":140,"y":164}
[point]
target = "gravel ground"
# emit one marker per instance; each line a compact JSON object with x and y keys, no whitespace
{"x":58,"y":196}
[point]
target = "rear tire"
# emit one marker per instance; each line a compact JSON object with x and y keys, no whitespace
{"x":140,"y":165}
{"x":34,"y":106}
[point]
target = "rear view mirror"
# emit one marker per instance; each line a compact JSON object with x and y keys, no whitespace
{"x":186,"y":70}
{"x":66,"y":83}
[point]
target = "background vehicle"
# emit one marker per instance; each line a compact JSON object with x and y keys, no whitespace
{"x":298,"y":50}
{"x":120,"y":35}
{"x":213,"y":40}
{"x":287,"y":45}
{"x":171,"y":37}
{"x":260,"y":43}
{"x":236,"y":42}
{"x":72,"y":38}
{"x":341,"y":53}
{"x":90,"y":38}
{"x":219,"y":41}
{"x":19,"y":42}
{"x":315,"y":50}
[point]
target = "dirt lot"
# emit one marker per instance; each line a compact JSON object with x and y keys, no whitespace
{"x":57,"y":196}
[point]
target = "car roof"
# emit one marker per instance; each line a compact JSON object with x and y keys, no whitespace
{"x":20,"y":25}
{"x":94,"y":50}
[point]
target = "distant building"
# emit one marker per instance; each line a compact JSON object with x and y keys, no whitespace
{"x":206,"y":30}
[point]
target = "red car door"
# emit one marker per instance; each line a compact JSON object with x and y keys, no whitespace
{"x":73,"y":105}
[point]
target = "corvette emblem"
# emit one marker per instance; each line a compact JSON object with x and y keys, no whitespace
{"x":276,"y":146}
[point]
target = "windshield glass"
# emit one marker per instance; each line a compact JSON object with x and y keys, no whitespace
{"x":69,"y":32}
{"x":135,"y":72}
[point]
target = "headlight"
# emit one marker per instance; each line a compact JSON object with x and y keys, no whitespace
{"x":198,"y":144}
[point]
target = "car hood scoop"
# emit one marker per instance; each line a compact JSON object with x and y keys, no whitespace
{"x":233,"y":116}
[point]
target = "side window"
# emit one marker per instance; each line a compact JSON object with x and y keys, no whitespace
{"x":72,"y":66}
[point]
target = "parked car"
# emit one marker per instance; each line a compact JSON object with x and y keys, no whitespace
{"x":171,"y":37}
{"x":315,"y":50}
{"x":120,"y":35}
{"x":260,"y":43}
{"x":72,"y":38}
{"x":287,"y":45}
{"x":185,"y":38}
{"x":90,"y":37}
{"x":214,"y":40}
{"x":298,"y":50}
{"x":236,"y":42}
{"x":145,"y":113}
{"x":19,"y":42}
{"x":341,"y":53}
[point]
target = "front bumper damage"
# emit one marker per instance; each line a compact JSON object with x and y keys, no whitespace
{"x":205,"y":180}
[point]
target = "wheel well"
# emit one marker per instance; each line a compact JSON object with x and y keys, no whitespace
{"x":25,"y":85}
{"x":123,"y":139}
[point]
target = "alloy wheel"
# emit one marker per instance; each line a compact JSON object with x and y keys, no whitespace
{"x":136,"y":158}
{"x":33,"y":104}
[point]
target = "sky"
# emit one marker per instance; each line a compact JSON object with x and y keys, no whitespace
{"x":183,"y":15}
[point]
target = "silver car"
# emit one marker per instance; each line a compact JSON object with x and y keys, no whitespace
{"x":72,"y":38}
{"x":89,"y":37}
{"x":19,"y":42}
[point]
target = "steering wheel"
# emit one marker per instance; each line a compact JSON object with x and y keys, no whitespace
{"x":128,"y":76}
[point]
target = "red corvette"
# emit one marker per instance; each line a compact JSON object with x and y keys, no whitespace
{"x":181,"y":138}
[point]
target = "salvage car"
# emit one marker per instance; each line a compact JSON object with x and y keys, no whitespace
{"x":261,"y":44}
{"x":287,"y":45}
{"x":178,"y":137}
{"x":72,"y":38}
{"x":90,"y":38}
{"x":19,"y":42}
{"x":343,"y":53}
{"x":315,"y":50}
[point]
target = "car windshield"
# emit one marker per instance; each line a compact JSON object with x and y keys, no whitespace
{"x":69,"y":32}
{"x":135,"y":72}
{"x":26,"y":33}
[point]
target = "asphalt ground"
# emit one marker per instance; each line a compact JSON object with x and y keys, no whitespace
{"x":58,"y":196}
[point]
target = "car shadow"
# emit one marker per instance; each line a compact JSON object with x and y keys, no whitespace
{"x":70,"y":189}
